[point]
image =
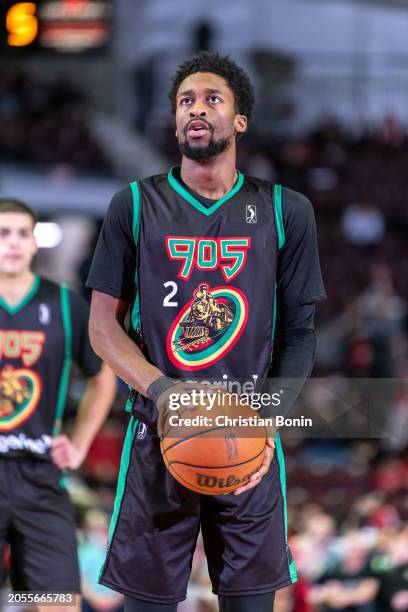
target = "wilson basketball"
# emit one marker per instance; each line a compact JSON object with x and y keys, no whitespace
{"x":214,"y":448}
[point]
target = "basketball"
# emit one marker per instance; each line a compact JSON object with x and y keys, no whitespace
{"x":214,"y":451}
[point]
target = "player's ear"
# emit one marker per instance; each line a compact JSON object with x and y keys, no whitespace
{"x":240,"y":124}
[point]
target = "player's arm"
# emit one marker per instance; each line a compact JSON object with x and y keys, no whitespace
{"x":112,"y":279}
{"x":299,"y":286}
{"x":70,"y":452}
{"x":293,"y":361}
{"x":98,"y":397}
{"x":110,"y":341}
{"x":113,"y":345}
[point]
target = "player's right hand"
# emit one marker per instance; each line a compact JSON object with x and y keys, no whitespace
{"x":174,"y":400}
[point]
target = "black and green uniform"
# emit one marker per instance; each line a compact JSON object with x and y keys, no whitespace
{"x":203,"y":280}
{"x":39,"y":339}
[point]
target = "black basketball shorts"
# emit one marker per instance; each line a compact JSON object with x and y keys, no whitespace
{"x":156,"y":521}
{"x":37,"y":521}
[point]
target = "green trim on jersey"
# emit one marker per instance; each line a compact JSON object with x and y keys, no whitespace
{"x":123,"y":472}
{"x":66,"y":367}
{"x":282,"y":474}
{"x":277,"y":200}
{"x":12,"y":310}
{"x":274,"y":314}
{"x":136,"y":209}
{"x":279,"y":453}
{"x":129,"y":403}
{"x":135,"y":316}
{"x":135,"y":313}
{"x":178,"y":187}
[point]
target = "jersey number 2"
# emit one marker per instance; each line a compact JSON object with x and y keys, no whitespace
{"x":167,"y":300}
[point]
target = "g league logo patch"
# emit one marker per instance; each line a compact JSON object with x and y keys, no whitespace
{"x":251,"y":213}
{"x":44,"y":314}
{"x":141,"y":430}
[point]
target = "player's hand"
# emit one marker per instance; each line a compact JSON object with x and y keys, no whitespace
{"x":257,"y":477}
{"x":167,"y":401}
{"x":64,"y":454}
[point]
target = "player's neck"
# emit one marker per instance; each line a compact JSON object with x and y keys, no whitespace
{"x":14,"y":288}
{"x":211,"y":178}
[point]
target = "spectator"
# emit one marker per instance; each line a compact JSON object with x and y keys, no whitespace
{"x":363,"y":224}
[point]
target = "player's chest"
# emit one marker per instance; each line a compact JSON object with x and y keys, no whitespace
{"x":239,"y":233}
{"x":33,"y":337}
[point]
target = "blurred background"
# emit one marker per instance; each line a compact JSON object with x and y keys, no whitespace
{"x":83,"y":110}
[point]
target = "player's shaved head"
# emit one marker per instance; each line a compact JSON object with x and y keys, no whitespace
{"x":12,"y":205}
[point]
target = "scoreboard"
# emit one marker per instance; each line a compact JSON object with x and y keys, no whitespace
{"x":60,"y":26}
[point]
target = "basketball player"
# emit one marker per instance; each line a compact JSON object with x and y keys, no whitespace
{"x":245,"y":249}
{"x":43,"y":328}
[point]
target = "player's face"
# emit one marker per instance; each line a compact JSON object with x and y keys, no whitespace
{"x":206,"y":117}
{"x":17,"y":243}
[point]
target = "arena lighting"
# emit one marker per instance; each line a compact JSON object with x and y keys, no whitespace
{"x":48,"y":235}
{"x":64,"y":26}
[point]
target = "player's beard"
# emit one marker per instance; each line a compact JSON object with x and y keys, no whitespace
{"x":212,"y":149}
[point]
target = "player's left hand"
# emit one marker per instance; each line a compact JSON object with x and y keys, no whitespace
{"x":257,"y":477}
{"x":64,"y":454}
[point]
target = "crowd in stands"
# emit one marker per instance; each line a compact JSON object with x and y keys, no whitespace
{"x":44,"y":124}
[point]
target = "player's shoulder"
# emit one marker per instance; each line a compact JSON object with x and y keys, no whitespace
{"x":155,"y":181}
{"x":292,"y":199}
{"x":139,"y":187}
{"x":122,"y":198}
{"x":257,"y":184}
{"x":48,"y":286}
{"x":293,"y":202}
{"x":297,"y":209}
{"x":51,"y":286}
{"x":49,"y":292}
{"x":121,"y":206}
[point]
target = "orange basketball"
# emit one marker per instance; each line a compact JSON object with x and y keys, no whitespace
{"x":215,"y":450}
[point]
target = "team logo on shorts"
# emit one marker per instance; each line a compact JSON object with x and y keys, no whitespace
{"x":19,"y":394}
{"x":207,"y":327}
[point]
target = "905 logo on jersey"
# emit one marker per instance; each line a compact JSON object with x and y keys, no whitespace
{"x":15,"y":344}
{"x":228,"y":254}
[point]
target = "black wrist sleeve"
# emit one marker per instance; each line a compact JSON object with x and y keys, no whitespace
{"x":158,"y":387}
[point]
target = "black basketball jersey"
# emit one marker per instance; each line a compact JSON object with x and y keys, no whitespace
{"x":206,"y":279}
{"x":36,"y":351}
{"x":203,"y":281}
